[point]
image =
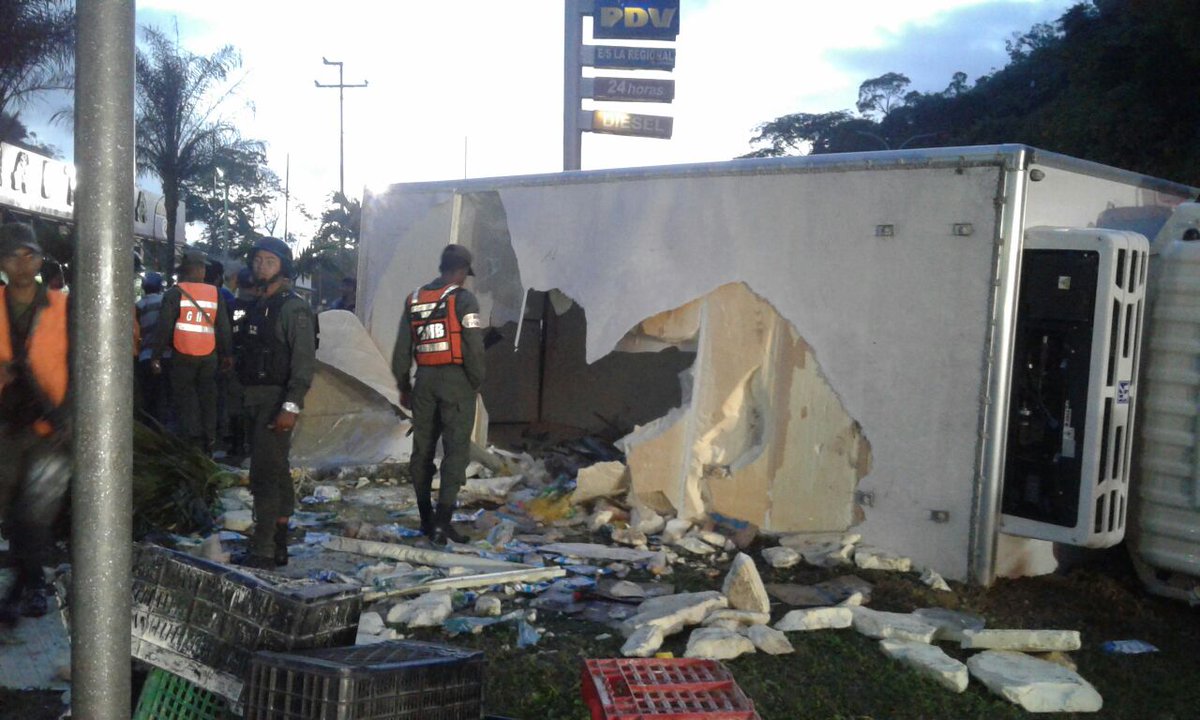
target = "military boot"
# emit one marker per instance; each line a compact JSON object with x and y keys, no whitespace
{"x":281,"y":544}
{"x":425,"y":507}
{"x":444,"y":528}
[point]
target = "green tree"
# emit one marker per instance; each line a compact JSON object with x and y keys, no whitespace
{"x":36,"y":52}
{"x":181,"y":133}
{"x":883,"y":94}
{"x":234,"y":198}
{"x":815,"y":133}
{"x":333,"y":252}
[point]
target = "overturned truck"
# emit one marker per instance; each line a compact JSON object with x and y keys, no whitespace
{"x":936,"y":347}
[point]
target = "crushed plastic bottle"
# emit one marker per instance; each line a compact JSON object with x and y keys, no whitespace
{"x":1127,"y":647}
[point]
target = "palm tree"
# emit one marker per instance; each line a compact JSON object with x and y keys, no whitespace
{"x":181,"y":135}
{"x":341,"y":222}
{"x":37,"y":50}
{"x":333,"y":252}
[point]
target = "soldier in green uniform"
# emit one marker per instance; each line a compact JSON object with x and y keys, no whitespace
{"x":441,"y":330}
{"x":276,"y":363}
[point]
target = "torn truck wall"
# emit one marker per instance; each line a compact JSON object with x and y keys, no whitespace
{"x":761,"y":436}
{"x":899,"y":322}
{"x":547,"y":379}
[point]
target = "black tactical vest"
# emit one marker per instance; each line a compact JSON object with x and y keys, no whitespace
{"x":264,"y":357}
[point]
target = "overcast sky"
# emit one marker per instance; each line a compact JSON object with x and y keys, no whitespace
{"x":478,"y":83}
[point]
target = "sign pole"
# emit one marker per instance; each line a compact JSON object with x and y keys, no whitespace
{"x":572,"y":81}
{"x":101,"y":374}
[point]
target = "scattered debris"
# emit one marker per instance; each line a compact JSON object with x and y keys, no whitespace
{"x":825,"y":618}
{"x":696,"y":546}
{"x":672,"y":613}
{"x":371,"y":623}
{"x":644,"y":520}
{"x":488,"y":606}
{"x":238,"y":520}
{"x":800,"y":595}
{"x":736,"y":618}
{"x":644,"y":642}
{"x":772,"y":642}
{"x":428,"y":610}
{"x":602,"y":480}
{"x":901,"y":626}
{"x":599,"y":519}
{"x":744,"y":587}
{"x":781,"y":557}
{"x":1058,"y":658}
{"x":934,"y":580}
{"x":1021,"y":640}
{"x":630,"y":536}
{"x":1127,"y":647}
{"x":844,"y":587}
{"x":869,"y":558}
{"x":718,"y":644}
{"x":740,"y":532}
{"x":593,"y":551}
{"x":928,"y":660}
{"x":855,"y":600}
{"x":950,"y":624}
{"x":674,"y":530}
{"x":323,"y":494}
{"x":623,"y":589}
{"x":1036,"y":685}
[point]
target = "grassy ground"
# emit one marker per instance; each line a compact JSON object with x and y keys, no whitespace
{"x":840,"y":674}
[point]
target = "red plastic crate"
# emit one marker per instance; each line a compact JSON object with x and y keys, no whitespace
{"x":663,"y":689}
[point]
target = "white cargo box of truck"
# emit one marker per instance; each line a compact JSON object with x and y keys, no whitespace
{"x":934,"y":347}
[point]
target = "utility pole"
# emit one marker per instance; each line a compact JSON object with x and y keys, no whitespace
{"x":287,"y":194}
{"x":341,"y":86}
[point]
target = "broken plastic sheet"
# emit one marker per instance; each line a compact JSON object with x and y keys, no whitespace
{"x":593,"y":551}
{"x":350,"y":415}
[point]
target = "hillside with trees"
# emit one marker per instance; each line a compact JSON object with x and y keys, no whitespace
{"x":1115,"y":81}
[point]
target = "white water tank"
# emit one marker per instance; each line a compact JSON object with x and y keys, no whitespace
{"x":1166,"y":533}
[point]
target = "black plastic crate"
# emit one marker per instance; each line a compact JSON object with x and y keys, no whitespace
{"x":395,"y":680}
{"x":204,"y":621}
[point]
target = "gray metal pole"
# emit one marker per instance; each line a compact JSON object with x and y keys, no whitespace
{"x":341,"y":86}
{"x":341,"y":130}
{"x":572,"y":76}
{"x":102,"y":375}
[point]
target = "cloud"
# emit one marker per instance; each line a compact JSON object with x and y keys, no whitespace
{"x":490,"y":73}
{"x":969,"y":39}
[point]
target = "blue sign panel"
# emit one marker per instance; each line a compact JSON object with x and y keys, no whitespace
{"x":636,"y":20}
{"x":625,"y":57}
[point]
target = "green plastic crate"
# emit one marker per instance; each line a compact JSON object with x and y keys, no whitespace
{"x":169,"y":697}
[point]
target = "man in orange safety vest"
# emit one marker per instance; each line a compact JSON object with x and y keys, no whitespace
{"x":35,"y":465}
{"x":195,"y":324}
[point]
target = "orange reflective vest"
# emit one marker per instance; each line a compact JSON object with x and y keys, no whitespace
{"x":195,"y":332}
{"x":46,"y":349}
{"x":436,"y":331}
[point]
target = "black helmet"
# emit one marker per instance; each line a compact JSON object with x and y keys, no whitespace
{"x":279,"y":249}
{"x":152,"y":282}
{"x":245,"y":278}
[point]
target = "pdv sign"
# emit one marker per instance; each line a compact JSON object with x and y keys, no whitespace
{"x":636,"y":20}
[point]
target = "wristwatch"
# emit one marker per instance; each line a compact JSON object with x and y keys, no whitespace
{"x":291,"y":407}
